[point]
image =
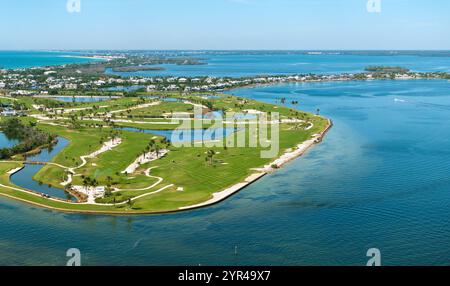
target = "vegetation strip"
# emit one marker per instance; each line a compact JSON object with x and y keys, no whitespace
{"x":181,"y":178}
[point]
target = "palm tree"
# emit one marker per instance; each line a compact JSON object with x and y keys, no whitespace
{"x":94,"y":183}
{"x":210,"y":155}
{"x":130,"y":203}
{"x":86,"y":183}
{"x":109,"y":180}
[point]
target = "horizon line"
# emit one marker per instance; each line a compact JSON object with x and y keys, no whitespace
{"x":239,"y":50}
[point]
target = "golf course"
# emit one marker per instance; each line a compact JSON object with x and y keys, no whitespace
{"x":122,"y":156}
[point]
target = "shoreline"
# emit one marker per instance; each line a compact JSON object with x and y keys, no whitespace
{"x":87,"y":57}
{"x":228,"y":90}
{"x":279,"y":162}
{"x":217,"y":197}
{"x":76,"y":96}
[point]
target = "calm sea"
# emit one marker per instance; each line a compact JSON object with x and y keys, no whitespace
{"x":379,"y":180}
{"x":235,"y":64}
{"x":27,"y":59}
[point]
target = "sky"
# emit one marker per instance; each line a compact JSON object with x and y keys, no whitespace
{"x":225,"y":25}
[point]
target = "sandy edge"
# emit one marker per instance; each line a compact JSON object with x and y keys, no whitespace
{"x":281,"y":161}
{"x":217,"y":197}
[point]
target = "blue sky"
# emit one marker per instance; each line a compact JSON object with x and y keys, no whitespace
{"x":224,"y":24}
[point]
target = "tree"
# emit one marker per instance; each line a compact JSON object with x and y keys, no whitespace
{"x":109,"y":181}
{"x":157,"y":151}
{"x":210,"y":156}
{"x":86,"y":183}
{"x":130,"y":203}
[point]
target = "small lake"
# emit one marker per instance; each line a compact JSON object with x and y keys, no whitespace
{"x":5,"y":142}
{"x":216,"y":115}
{"x":83,"y":99}
{"x":124,"y":88}
{"x":182,"y":136}
{"x":24,"y":178}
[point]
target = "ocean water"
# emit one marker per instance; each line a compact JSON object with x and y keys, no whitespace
{"x":380,"y":179}
{"x":283,"y":63}
{"x":27,"y":59}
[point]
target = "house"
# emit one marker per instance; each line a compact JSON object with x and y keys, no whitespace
{"x":151,"y":87}
{"x":71,"y":86}
{"x":9,"y":112}
{"x":49,"y":72}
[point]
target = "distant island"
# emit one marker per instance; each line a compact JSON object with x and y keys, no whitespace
{"x":117,"y":156}
{"x":386,"y":69}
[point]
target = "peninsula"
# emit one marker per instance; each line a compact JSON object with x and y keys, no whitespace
{"x":117,"y":155}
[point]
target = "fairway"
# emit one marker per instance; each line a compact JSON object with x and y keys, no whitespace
{"x":165,"y":177}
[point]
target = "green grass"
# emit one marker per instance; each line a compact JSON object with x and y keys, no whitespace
{"x":82,"y":142}
{"x":187,"y":167}
{"x":161,"y":109}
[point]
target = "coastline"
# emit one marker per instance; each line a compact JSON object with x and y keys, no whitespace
{"x":76,"y":96}
{"x":88,"y":57}
{"x":279,"y":162}
{"x":217,"y":197}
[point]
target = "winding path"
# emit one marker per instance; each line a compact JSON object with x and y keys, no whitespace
{"x":147,"y":173}
{"x":138,"y":197}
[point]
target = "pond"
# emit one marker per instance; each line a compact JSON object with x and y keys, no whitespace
{"x":5,"y":142}
{"x":24,"y":177}
{"x":83,"y":99}
{"x":124,"y":88}
{"x":181,"y":136}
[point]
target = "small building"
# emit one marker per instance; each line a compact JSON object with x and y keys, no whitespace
{"x":9,"y":112}
{"x":71,"y":86}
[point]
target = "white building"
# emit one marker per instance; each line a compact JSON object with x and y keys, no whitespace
{"x":151,"y":87}
{"x":71,"y":86}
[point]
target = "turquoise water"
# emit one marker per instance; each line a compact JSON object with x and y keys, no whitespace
{"x":26,"y":59}
{"x":241,"y":64}
{"x":380,"y":179}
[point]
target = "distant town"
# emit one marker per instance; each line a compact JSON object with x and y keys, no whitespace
{"x":92,"y":78}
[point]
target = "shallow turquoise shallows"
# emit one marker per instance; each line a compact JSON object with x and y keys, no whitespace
{"x":380,"y":179}
{"x":236,"y":64}
{"x":26,"y":59}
